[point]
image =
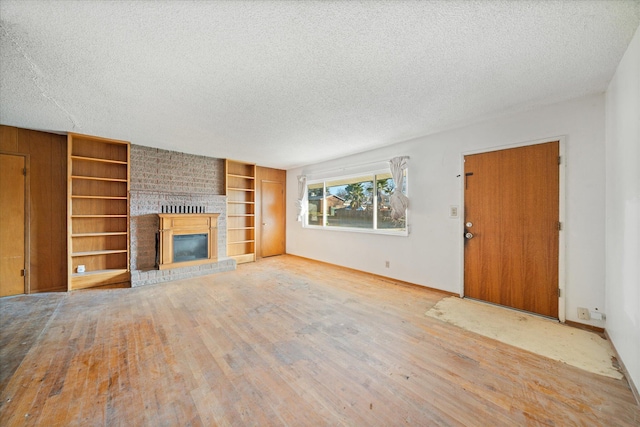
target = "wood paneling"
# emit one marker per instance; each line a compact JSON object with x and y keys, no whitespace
{"x":47,"y":189}
{"x":8,"y":139}
{"x":271,"y":220}
{"x":59,"y":206}
{"x":286,"y":341}
{"x":12,"y":225}
{"x":41,"y":201}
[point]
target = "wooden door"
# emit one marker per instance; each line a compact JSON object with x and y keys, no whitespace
{"x":272,"y":218}
{"x":46,"y":206}
{"x":12,"y":225}
{"x":512,"y":211}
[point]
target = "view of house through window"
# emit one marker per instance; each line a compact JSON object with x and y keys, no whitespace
{"x":315,"y":203}
{"x":360,"y":202}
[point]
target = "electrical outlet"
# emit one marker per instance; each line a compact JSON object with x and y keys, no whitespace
{"x":596,"y":315}
{"x":453,"y":211}
{"x":386,"y":264}
{"x":583,"y":313}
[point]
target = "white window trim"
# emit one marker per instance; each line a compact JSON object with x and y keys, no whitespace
{"x":373,"y":173}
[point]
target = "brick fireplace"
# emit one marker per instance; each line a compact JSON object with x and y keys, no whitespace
{"x":160,"y":179}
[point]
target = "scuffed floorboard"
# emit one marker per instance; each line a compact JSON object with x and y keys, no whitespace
{"x":22,"y":320}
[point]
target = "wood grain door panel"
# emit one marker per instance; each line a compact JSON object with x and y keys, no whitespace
{"x":12,"y":223}
{"x":272,"y":214}
{"x":512,"y":202}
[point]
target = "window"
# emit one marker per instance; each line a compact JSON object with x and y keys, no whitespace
{"x":355,"y":203}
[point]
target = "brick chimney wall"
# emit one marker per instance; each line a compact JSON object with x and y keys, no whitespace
{"x":160,"y":178}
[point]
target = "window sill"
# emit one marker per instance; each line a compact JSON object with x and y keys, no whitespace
{"x":401,"y":233}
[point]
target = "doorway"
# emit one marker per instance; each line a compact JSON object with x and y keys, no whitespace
{"x":272,"y":209}
{"x":12,"y":225}
{"x":511,"y":233}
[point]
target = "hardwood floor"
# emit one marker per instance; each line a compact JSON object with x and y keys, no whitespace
{"x":22,"y":320}
{"x":283,"y":341}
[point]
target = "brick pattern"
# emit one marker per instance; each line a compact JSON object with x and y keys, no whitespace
{"x":161,"y":177}
{"x":159,"y":170}
{"x":144,"y":223}
{"x":152,"y":277}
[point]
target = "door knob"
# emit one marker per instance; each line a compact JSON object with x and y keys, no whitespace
{"x":468,"y":235}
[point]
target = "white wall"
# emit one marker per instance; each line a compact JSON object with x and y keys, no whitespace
{"x":431,"y":255}
{"x":623,"y":209}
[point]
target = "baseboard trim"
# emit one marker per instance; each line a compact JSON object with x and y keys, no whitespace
{"x":378,"y":276}
{"x":41,"y":291}
{"x":584,"y":326}
{"x":623,"y":368}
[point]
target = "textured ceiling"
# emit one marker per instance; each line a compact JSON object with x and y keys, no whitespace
{"x":290,"y":83}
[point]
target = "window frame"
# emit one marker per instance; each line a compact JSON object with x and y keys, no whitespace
{"x":365,"y":174}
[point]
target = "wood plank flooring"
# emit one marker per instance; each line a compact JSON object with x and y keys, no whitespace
{"x":283,"y":341}
{"x":22,"y":320}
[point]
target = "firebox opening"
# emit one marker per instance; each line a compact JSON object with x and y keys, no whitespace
{"x":189,"y":247}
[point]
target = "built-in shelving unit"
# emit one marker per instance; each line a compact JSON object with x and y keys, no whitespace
{"x":98,"y":214}
{"x":241,"y":200}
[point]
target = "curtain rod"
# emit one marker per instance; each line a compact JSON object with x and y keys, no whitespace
{"x":347,"y":168}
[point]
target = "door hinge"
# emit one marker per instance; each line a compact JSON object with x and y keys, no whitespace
{"x":23,"y":272}
{"x":559,"y":160}
{"x":559,"y":292}
{"x":24,"y":171}
{"x":559,"y":226}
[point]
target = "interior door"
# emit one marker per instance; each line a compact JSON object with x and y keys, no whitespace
{"x":12,"y":223}
{"x":511,"y":209}
{"x":272,"y":215}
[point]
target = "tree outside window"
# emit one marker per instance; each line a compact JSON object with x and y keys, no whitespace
{"x":361,"y":202}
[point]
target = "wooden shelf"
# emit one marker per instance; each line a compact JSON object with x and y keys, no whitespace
{"x":95,"y":253}
{"x":99,"y":216}
{"x":109,"y":233}
{"x":96,"y":178}
{"x":248,"y":257}
{"x":95,"y":159}
{"x":241,"y":200}
{"x":100,"y":197}
{"x":240,"y":189}
{"x":96,"y":272}
{"x":110,"y":276}
{"x":98,"y":211}
{"x":240,"y":176}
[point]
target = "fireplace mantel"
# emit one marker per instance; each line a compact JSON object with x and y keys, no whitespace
{"x":172,"y":225}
